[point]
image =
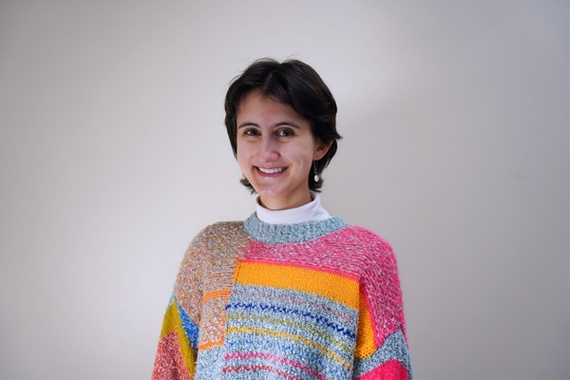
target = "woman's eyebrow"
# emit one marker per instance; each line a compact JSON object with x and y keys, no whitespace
{"x":248,"y":124}
{"x":289,"y":123}
{"x":279,"y":124}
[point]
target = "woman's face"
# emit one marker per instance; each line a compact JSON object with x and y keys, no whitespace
{"x":275,"y":151}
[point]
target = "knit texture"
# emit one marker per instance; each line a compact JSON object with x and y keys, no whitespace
{"x":317,"y":300}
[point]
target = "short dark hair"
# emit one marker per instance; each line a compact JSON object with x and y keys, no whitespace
{"x":297,"y":85}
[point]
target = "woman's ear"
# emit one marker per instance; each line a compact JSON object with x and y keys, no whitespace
{"x":321,"y":149}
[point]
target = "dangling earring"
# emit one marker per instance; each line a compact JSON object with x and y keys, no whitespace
{"x":316,"y":177}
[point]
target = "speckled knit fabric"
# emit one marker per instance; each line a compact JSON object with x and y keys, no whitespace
{"x":252,"y":300}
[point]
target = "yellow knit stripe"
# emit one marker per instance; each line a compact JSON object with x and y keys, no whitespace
{"x":338,"y":288}
{"x":171,"y":320}
{"x":172,"y":323}
{"x":365,"y":345}
{"x":279,"y":334}
{"x":296,"y":325}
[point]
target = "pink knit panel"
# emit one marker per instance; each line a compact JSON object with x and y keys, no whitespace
{"x":353,"y":252}
{"x":391,"y":370}
{"x":169,"y":363}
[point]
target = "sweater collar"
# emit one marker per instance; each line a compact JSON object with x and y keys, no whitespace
{"x":291,"y":233}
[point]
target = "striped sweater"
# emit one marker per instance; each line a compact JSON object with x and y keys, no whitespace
{"x":317,"y":300}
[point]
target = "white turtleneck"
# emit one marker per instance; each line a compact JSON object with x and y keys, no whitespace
{"x":310,"y":212}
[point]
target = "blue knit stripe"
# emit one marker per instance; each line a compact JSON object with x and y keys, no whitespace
{"x":296,"y":305}
{"x":209,"y":364}
{"x":190,"y":329}
{"x":291,"y":233}
{"x":288,"y":325}
{"x":394,"y":348}
{"x":321,"y":321}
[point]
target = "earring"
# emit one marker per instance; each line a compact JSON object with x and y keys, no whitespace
{"x":317,"y":178}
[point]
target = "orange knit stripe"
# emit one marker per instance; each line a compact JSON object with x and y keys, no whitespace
{"x":338,"y":288}
{"x":365,"y":345}
{"x":216,"y":294}
{"x":217,"y":343}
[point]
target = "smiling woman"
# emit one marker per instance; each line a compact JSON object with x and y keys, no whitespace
{"x":291,"y":292}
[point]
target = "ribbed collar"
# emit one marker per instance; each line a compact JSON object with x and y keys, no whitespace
{"x":310,"y":212}
{"x":291,"y":233}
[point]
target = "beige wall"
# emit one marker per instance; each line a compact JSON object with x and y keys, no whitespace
{"x":113,"y":155}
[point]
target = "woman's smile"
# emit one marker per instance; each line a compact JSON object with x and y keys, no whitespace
{"x":271,"y":171}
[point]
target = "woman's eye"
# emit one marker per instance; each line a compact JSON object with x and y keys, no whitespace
{"x":251,"y":132}
{"x":285,"y":132}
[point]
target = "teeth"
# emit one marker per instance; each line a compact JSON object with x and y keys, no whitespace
{"x":270,"y":171}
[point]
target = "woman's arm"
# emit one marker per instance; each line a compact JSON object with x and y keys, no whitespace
{"x":178,"y":345}
{"x":381,"y":347}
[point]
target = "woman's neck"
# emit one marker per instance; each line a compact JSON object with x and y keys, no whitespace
{"x":290,"y":202}
{"x":308,"y":212}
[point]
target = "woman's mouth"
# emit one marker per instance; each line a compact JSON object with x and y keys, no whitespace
{"x":270,"y":170}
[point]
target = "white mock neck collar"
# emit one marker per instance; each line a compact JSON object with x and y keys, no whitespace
{"x":310,"y":212}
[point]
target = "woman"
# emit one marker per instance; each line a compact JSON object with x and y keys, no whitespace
{"x":291,"y":292}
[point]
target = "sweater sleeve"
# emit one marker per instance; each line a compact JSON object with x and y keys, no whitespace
{"x":177,"y":347}
{"x":176,"y":353}
{"x":381,"y":347}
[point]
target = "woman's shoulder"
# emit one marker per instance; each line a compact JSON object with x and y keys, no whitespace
{"x":218,"y":235}
{"x":369,"y":249}
{"x":221,"y":228}
{"x":362,"y":236}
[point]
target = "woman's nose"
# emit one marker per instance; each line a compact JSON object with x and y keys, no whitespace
{"x":269,"y":149}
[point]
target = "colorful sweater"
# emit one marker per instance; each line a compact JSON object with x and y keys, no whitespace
{"x":317,"y":300}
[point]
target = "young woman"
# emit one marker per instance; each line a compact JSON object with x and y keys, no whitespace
{"x":291,"y":292}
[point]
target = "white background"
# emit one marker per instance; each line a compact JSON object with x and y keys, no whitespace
{"x":113,"y":155}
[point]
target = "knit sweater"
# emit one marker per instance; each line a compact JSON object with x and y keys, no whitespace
{"x":316,"y":300}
